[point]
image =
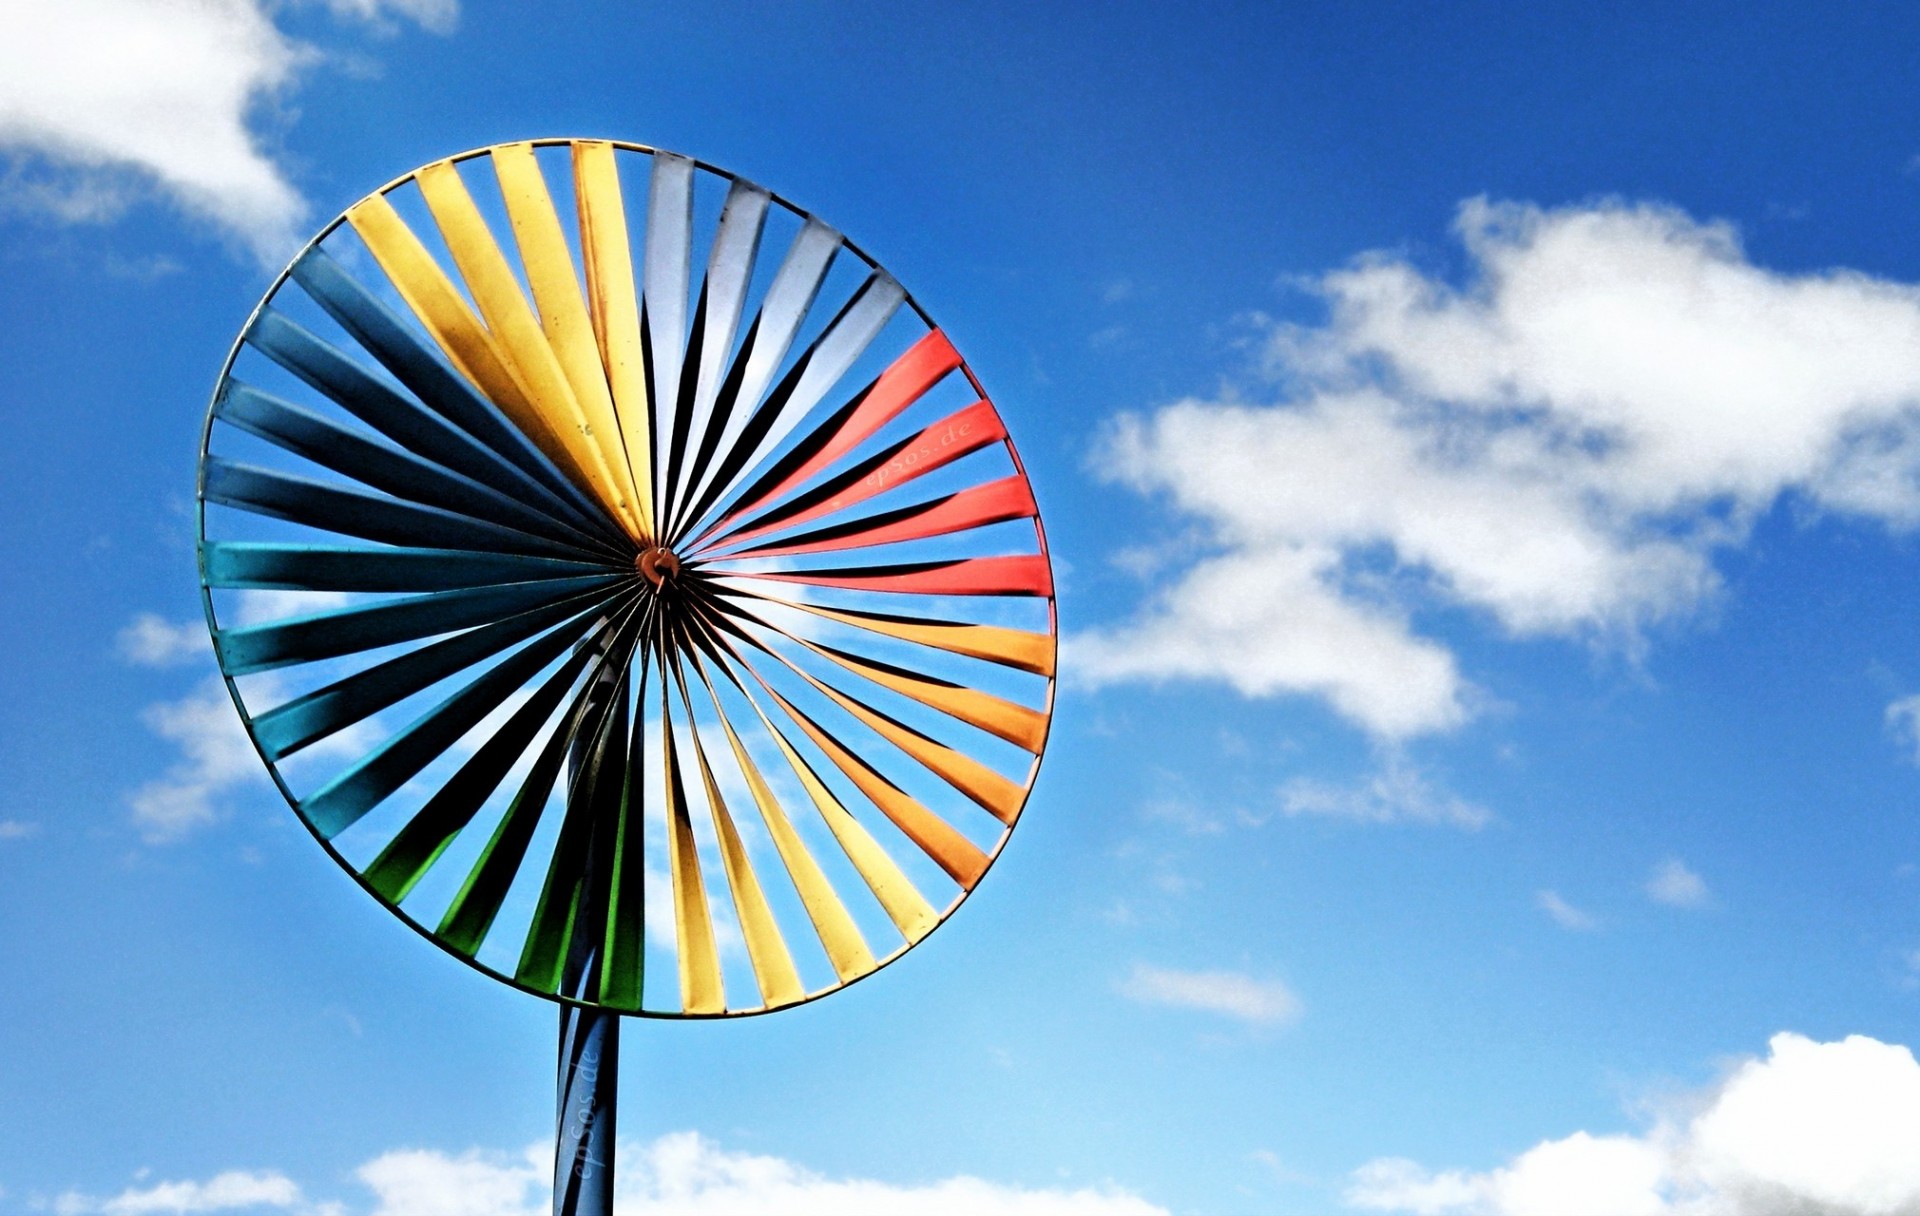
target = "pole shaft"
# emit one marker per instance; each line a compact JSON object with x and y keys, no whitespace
{"x":588,"y":1081}
{"x":589,"y":1071}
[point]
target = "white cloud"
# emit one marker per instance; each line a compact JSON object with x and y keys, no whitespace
{"x":215,"y":756}
{"x":418,"y":1182}
{"x":106,"y":98}
{"x":1265,"y":1002}
{"x":1269,"y":622}
{"x":164,"y":89}
{"x":151,"y":640}
{"x":1581,"y":1175}
{"x":18,"y":829}
{"x":1396,"y":793}
{"x":685,"y":1174}
{"x":1815,"y":1129}
{"x":1563,"y":445}
{"x":1903,"y":720}
{"x":1565,"y":914}
{"x":233,"y":1190}
{"x":1672,"y":883}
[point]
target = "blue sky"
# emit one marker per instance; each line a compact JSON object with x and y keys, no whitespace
{"x":1481,"y":449}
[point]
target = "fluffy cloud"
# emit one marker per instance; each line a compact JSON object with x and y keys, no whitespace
{"x":1815,"y":1129}
{"x":1563,"y":445}
{"x":106,"y":97}
{"x":1262,"y":1002}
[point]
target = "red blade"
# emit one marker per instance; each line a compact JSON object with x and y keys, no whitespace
{"x":935,"y":447}
{"x":972,"y":576}
{"x":995,"y":502}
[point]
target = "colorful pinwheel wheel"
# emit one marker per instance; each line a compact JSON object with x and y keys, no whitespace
{"x":663,"y":651}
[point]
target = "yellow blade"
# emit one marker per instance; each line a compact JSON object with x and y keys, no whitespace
{"x":772,"y":965}
{"x":1001,"y":797}
{"x":846,"y":949}
{"x":556,"y":292}
{"x":906,"y":907}
{"x":511,"y":322}
{"x":434,"y":299}
{"x":1017,"y":724}
{"x":1008,"y":647}
{"x":954,"y":853}
{"x":614,"y":303}
{"x":700,"y":986}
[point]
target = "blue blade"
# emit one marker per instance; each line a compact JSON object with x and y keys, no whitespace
{"x":415,"y":365}
{"x":341,"y":802}
{"x":250,"y":565}
{"x":379,"y":466}
{"x":349,"y":512}
{"x":343,"y":381}
{"x":333,"y":634}
{"x":315,"y":715}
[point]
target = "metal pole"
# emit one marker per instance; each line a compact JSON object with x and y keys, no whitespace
{"x":589,"y":1083}
{"x":589,"y":1070}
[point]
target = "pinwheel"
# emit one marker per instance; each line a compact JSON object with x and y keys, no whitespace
{"x":625,"y":580}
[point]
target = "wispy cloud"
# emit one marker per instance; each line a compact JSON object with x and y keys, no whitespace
{"x":215,"y":756}
{"x":1231,"y":993}
{"x":102,"y":101}
{"x":1903,"y":720}
{"x":440,"y":16}
{"x":18,"y":829}
{"x":1565,"y":914}
{"x":1673,"y":884}
{"x":1815,"y":1128}
{"x":1396,"y":792}
{"x":1563,"y":444}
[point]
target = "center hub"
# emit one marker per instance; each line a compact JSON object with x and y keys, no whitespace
{"x":657,"y":565}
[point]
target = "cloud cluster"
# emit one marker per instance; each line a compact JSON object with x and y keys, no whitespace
{"x":680,"y":1174}
{"x":103,"y":99}
{"x":1561,"y":446}
{"x":1815,"y":1129}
